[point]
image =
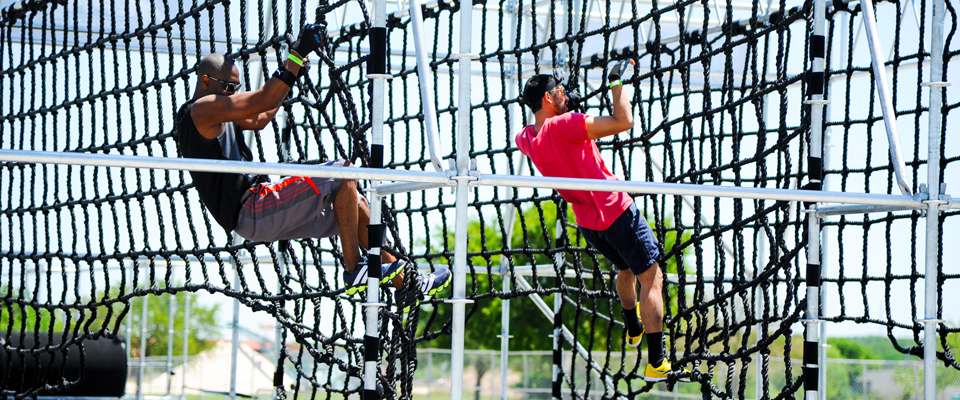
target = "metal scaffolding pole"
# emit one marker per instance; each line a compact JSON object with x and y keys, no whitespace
{"x":377,"y":72}
{"x":186,"y":345}
{"x":171,"y":311}
{"x":235,"y":327}
{"x":463,"y":179}
{"x":886,"y":102}
{"x":426,"y":91}
{"x":815,"y":90}
{"x":143,"y":346}
{"x":514,"y":113}
{"x":478,"y":179}
{"x":935,"y":188}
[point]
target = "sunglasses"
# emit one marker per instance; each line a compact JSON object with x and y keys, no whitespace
{"x":232,"y":87}
{"x":558,"y":90}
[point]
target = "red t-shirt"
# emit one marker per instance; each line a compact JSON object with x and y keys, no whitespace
{"x":562,"y":149}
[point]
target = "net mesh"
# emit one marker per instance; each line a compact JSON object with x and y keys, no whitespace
{"x":717,"y":96}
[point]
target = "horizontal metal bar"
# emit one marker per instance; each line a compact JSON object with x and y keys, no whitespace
{"x":826,"y":211}
{"x":195,"y":164}
{"x":386,"y":190}
{"x":680,"y":189}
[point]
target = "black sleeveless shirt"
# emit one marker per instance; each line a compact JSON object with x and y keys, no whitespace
{"x":221,"y":193}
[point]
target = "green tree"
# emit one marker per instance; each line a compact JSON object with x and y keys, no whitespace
{"x":203,"y":323}
{"x":529,"y":327}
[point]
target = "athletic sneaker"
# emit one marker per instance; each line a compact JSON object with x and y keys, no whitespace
{"x":433,"y":283}
{"x":356,"y":281}
{"x":634,"y":341}
{"x":427,"y":285}
{"x":657,"y":374}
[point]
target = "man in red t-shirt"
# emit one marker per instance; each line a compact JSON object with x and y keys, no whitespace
{"x":561,"y":144}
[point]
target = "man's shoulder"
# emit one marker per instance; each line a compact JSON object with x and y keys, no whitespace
{"x":570,"y":125}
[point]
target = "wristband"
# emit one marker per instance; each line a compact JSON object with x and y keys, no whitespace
{"x":286,"y":76}
{"x":615,"y":84}
{"x":294,"y":58}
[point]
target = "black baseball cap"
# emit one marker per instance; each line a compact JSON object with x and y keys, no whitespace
{"x":535,"y":88}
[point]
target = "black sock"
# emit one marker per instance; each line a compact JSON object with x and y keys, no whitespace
{"x":655,"y":348}
{"x":632,"y":321}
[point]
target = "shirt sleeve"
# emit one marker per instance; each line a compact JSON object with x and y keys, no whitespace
{"x":520,"y":141}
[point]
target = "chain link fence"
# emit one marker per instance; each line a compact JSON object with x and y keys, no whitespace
{"x":529,"y":376}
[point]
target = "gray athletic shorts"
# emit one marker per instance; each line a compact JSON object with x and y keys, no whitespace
{"x":293,"y":208}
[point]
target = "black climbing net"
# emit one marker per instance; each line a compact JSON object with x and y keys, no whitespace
{"x":717,"y":98}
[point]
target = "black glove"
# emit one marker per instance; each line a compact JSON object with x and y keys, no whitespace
{"x":311,"y":38}
{"x":574,"y":102}
{"x":615,"y":72}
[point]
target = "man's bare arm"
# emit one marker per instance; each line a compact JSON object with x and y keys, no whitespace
{"x":622,"y":119}
{"x":209,"y":112}
{"x":259,"y":121}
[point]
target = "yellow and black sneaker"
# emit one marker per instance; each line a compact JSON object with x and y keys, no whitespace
{"x":634,"y":341}
{"x":661,"y":373}
{"x":427,"y":285}
{"x":357,"y":280}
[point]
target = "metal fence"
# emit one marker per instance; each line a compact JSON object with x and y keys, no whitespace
{"x":529,"y":377}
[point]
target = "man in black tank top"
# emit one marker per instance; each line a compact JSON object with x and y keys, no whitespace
{"x":210,"y":126}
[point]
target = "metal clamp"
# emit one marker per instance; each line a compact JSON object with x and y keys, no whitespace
{"x":458,"y":301}
{"x":929,"y":321}
{"x":373,"y":304}
{"x":935,"y":84}
{"x":811,"y":321}
{"x":380,"y":76}
{"x":822,"y":102}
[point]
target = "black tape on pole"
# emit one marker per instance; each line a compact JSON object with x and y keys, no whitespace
{"x":557,"y":386}
{"x":816,"y":168}
{"x":811,"y":353}
{"x":813,"y":275}
{"x":375,"y":236}
{"x":815,"y":185}
{"x":376,"y":156}
{"x":278,"y":375}
{"x":817,"y":46}
{"x":810,"y":381}
{"x":371,"y":395}
{"x":377,"y":63}
{"x":371,"y":348}
{"x":814,"y":83}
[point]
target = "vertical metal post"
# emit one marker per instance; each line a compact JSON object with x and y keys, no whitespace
{"x":235,"y":328}
{"x":557,"y":318}
{"x":815,"y":90}
{"x":762,"y":255}
{"x":377,"y":68}
{"x":129,"y":323}
{"x":143,"y":346}
{"x":172,"y":313}
{"x":511,"y":80}
{"x":463,"y":192}
{"x":934,"y":188}
{"x":186,"y":345}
